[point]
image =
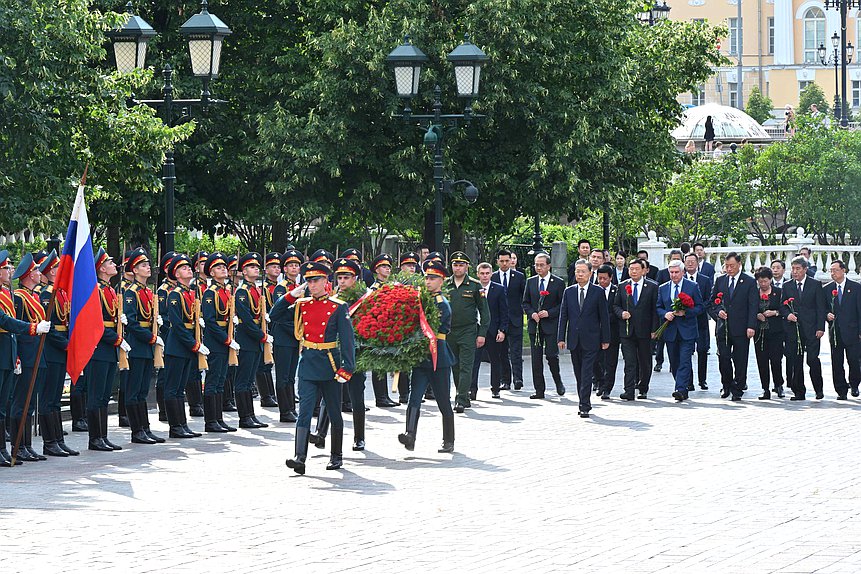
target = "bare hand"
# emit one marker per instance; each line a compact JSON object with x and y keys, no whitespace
{"x":479,"y":342}
{"x":830,"y":316}
{"x":670,"y":316}
{"x":543,"y":314}
{"x":535,"y":317}
{"x":750,"y":333}
{"x":605,"y":346}
{"x":500,"y":337}
{"x":561,"y":345}
{"x":819,"y":334}
{"x":792,"y":318}
{"x":626,"y":315}
{"x":722,"y":314}
{"x":654,"y":335}
{"x":760,"y":317}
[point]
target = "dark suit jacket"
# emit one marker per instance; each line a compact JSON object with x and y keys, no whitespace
{"x":616,"y":279}
{"x":556,"y":286}
{"x":682,"y":327}
{"x":516,"y":287}
{"x":705,"y":284}
{"x":811,"y":271}
{"x":741,"y":309}
{"x":614,"y":321}
{"x":652,"y":273}
{"x":663,"y":276}
{"x":847,"y":313}
{"x":589,"y":327}
{"x":497,"y":302}
{"x":809,"y":308}
{"x":644,"y":316}
{"x":708,"y":270}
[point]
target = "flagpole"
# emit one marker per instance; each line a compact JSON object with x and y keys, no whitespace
{"x":42,"y":337}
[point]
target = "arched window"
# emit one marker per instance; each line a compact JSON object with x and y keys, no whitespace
{"x":814,"y":33}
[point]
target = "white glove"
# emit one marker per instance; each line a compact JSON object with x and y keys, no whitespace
{"x":203,"y":350}
{"x":43,"y":327}
{"x":124,"y":345}
{"x":266,"y":316}
{"x":18,"y":367}
{"x":235,"y":320}
{"x":234,"y":345}
{"x":158,"y":320}
{"x":269,"y":339}
{"x":123,"y":319}
{"x":159,"y":341}
{"x":297,"y":291}
{"x":201,"y":322}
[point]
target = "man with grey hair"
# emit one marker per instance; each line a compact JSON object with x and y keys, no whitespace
{"x":682,"y":330}
{"x":806,"y":317}
{"x":663,"y":277}
{"x":541,"y":301}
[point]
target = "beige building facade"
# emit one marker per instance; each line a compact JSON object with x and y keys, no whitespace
{"x":779,"y":41}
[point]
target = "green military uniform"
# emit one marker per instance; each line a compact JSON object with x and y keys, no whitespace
{"x":470,"y":315}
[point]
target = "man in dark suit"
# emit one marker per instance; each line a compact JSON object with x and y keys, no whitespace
{"x":608,"y":359}
{"x":596,"y":260}
{"x":811,"y":269}
{"x":662,"y":277}
{"x":704,"y":341}
{"x":638,"y":321}
{"x":681,"y":333}
{"x":494,"y":338}
{"x":735,"y":316}
{"x":584,"y":327}
{"x":584,"y":248}
{"x":514,"y":283}
{"x":543,"y":313}
{"x":806,"y":316}
{"x":705,"y":268}
{"x":651,"y":270}
{"x":844,"y":320}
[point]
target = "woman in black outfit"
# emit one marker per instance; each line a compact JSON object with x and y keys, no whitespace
{"x":768,"y":342}
{"x":710,"y":133}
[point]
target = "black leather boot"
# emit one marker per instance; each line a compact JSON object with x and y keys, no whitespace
{"x":185,"y":420}
{"x":229,"y":402}
{"x":20,"y":453}
{"x":380,"y":383}
{"x":447,"y":434}
{"x":121,"y":405}
{"x":210,"y":416}
{"x":5,"y":456}
{"x":318,"y":438}
{"x":138,"y":435}
{"x":297,"y":463}
{"x":159,"y":399}
{"x":28,"y":439}
{"x":76,"y":410}
{"x":96,"y":442}
{"x":260,"y":383}
{"x":285,"y":405}
{"x":175,"y":418}
{"x":49,"y":439}
{"x":359,"y":427}
{"x":268,"y":398}
{"x":408,"y":438}
{"x":144,"y":416}
{"x":245,"y":406}
{"x":103,"y":427}
{"x":194,"y":394}
{"x":336,"y":455}
{"x":57,"y":422}
{"x":219,"y":416}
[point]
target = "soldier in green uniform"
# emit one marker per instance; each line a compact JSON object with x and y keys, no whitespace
{"x":469,"y":317}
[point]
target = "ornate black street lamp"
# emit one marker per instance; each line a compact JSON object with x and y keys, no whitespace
{"x":655,"y":14}
{"x":204,"y":33}
{"x":407,"y":61}
{"x":835,"y":59}
{"x":844,"y":6}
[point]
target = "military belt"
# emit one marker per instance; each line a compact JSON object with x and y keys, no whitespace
{"x":61,"y":328}
{"x":110,"y":323}
{"x":221,"y":323}
{"x":440,"y":336}
{"x":319,"y":346}
{"x":145,"y":323}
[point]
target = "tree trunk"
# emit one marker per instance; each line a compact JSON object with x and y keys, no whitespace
{"x":280,"y":235}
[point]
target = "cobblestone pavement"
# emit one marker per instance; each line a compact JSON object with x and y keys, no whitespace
{"x":648,"y":486}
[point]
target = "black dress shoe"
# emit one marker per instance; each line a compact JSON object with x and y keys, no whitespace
{"x":518,"y":386}
{"x":288,"y":417}
{"x":537,"y":396}
{"x":346,"y":409}
{"x":386,"y":403}
{"x":724,"y":393}
{"x":359,"y":445}
{"x":473,"y":395}
{"x":780,"y":393}
{"x":403,"y":400}
{"x":842,"y":398}
{"x":704,"y":386}
{"x":691,"y":387}
{"x":33,"y":452}
{"x":408,"y":440}
{"x":766,"y":395}
{"x":458,"y":408}
{"x":560,"y":390}
{"x":268,"y":402}
{"x":855,"y":392}
{"x":195,"y":411}
{"x":736,"y":398}
{"x":140,"y":437}
{"x":297,"y":464}
{"x":335,"y":462}
{"x":642,"y":396}
{"x":820,"y":396}
{"x":796,"y":398}
{"x":598,"y":392}
{"x":657,"y":368}
{"x":24,"y":455}
{"x":447,"y":446}
{"x":583,"y":415}
{"x":678,"y":396}
{"x":506,"y":386}
{"x":317,"y":440}
{"x":605,"y":396}
{"x":744,"y":387}
{"x":494,"y":395}
{"x":626,"y":397}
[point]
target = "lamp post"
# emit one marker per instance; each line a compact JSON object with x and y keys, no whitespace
{"x":835,"y":60}
{"x":844,"y":6}
{"x":406,"y":62}
{"x":537,"y":238}
{"x":204,"y":33}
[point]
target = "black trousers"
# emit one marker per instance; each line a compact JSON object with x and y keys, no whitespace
{"x":850,"y":353}
{"x":795,"y":364}
{"x":583,"y":361}
{"x":769,"y":357}
{"x":605,"y":367}
{"x":216,"y":375}
{"x":733,"y":353}
{"x":512,"y":368}
{"x":637,"y":354}
{"x":545,"y":346}
{"x":703,"y":346}
{"x":495,"y":352}
{"x":100,"y":379}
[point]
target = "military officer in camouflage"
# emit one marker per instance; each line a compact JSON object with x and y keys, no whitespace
{"x":470,"y":316}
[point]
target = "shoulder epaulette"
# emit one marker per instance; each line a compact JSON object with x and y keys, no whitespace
{"x":334,"y":299}
{"x":438,"y":298}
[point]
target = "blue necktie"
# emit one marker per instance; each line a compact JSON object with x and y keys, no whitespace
{"x":840,"y":294}
{"x":731,"y":286}
{"x":676,"y":296}
{"x":505,"y":279}
{"x":636,"y":297}
{"x":541,"y":286}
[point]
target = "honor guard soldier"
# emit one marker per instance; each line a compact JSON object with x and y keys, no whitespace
{"x":352,"y":253}
{"x":125,"y":282}
{"x":182,"y":347}
{"x":425,"y":374}
{"x":347,"y":273}
{"x":382,"y":268}
{"x":265,"y":384}
{"x":322,"y":256}
{"x":102,"y":368}
{"x":409,"y":262}
{"x":322,"y":325}
{"x":142,"y":335}
{"x":193,"y":390}
{"x":56,"y":341}
{"x":164,"y":328}
{"x":435,"y":256}
{"x":10,"y":328}
{"x":286,"y":347}
{"x":228,"y":403}
{"x":216,"y":314}
{"x":28,"y":308}
{"x":467,"y":302}
{"x":249,"y":334}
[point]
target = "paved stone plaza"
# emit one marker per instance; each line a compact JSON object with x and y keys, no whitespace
{"x":649,"y":486}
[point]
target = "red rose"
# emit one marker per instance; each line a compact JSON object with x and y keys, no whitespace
{"x":628,"y":289}
{"x":764,"y":297}
{"x":717,"y":301}
{"x":720,"y":295}
{"x":686,"y":300}
{"x":834,"y":293}
{"x":544,"y":293}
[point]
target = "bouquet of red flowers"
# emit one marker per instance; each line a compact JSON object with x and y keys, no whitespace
{"x":791,"y":304}
{"x":680,"y":304}
{"x":390,"y":334}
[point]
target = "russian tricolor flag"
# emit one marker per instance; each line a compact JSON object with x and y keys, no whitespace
{"x":77,"y":276}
